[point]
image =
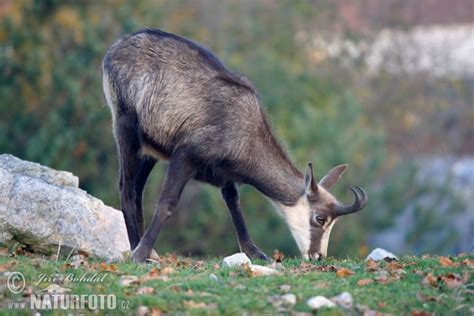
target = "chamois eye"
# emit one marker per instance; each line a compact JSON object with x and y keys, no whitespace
{"x":318,"y":220}
{"x":321,"y":220}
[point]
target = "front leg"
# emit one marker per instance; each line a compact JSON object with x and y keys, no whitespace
{"x":246,"y":244}
{"x":178,"y":174}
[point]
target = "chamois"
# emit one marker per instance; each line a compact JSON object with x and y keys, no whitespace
{"x":172,"y":99}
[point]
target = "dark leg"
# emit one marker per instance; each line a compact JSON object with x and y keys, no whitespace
{"x":178,"y":174}
{"x":146,"y":165}
{"x":246,"y":244}
{"x":128,"y":145}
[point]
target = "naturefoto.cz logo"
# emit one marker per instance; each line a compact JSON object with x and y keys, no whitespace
{"x":54,"y":296}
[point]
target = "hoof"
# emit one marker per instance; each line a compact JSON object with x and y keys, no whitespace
{"x":140,"y":254}
{"x":256,"y":253}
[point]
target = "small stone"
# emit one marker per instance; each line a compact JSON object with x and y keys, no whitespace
{"x":237,"y":259}
{"x":288,"y":299}
{"x":258,"y":270}
{"x":145,"y":290}
{"x":344,"y":299}
{"x":213,"y":277}
{"x":142,"y":311}
{"x":380,"y":254}
{"x":127,"y":280}
{"x":318,"y":302}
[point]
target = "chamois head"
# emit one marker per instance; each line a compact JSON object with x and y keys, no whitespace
{"x":311,"y":219}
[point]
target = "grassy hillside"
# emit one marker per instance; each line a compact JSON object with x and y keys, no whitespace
{"x":412,"y":285}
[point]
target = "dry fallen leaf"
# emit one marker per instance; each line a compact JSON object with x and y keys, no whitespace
{"x":372,"y":265}
{"x":167,"y":270}
{"x":305,"y":267}
{"x":391,"y":266}
{"x":420,"y":313}
{"x":7,"y":266}
{"x":426,"y":298}
{"x":198,"y":264}
{"x":452,"y":280}
{"x":364,"y":282}
{"x":154,"y":272}
{"x":418,"y":272}
{"x":344,"y":272}
{"x":108,"y":267}
{"x":468,"y":262}
{"x":278,"y":255}
{"x":447,"y":262}
{"x":430,"y":280}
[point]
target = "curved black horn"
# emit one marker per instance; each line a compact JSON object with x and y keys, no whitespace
{"x":359,"y":203}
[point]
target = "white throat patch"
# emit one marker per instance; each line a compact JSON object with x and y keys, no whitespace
{"x":325,"y":238}
{"x":297,"y":217}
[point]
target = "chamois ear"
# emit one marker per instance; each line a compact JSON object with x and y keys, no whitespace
{"x":310,"y":184}
{"x":332,"y":177}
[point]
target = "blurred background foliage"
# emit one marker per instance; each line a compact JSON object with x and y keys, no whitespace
{"x":326,"y":108}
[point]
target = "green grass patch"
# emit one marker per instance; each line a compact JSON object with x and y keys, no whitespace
{"x":434,"y":285}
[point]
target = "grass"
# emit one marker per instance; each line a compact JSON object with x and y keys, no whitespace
{"x":183,"y":285}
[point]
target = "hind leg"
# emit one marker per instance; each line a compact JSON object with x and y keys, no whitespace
{"x":146,"y":165}
{"x":128,"y":144}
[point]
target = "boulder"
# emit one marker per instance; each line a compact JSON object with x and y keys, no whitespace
{"x":44,"y":208}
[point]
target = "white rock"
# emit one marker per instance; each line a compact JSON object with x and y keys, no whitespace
{"x":318,"y":302}
{"x":142,"y":311}
{"x":213,"y":277}
{"x":258,"y":270}
{"x":34,"y":170}
{"x":344,"y":299}
{"x":288,"y":299}
{"x":237,"y":259}
{"x":43,"y":208}
{"x":379,"y":254}
{"x":127,"y":280}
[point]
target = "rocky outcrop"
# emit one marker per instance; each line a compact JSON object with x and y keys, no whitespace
{"x":43,"y":208}
{"x":440,"y":217}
